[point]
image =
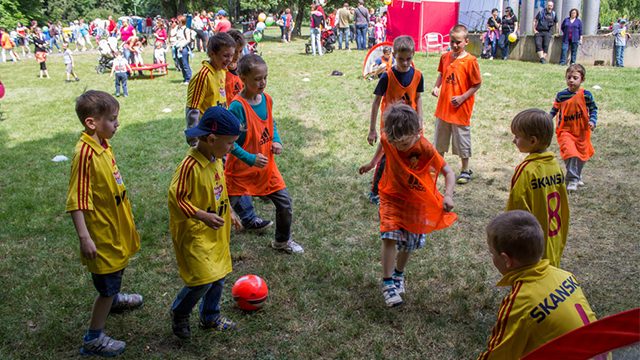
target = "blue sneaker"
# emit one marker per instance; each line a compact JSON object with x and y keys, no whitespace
{"x":103,"y":346}
{"x":374,"y":198}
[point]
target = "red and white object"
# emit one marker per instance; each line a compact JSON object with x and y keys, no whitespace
{"x":250,"y":292}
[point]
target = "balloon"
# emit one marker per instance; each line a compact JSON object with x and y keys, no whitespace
{"x":261,"y":26}
{"x":388,"y":2}
{"x":513,"y":37}
{"x":269,"y":21}
{"x":45,"y":29}
{"x":262,"y":17}
{"x":257,"y":36}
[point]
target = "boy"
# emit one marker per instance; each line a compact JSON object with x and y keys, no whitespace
{"x":7,"y":45}
{"x":99,"y":205}
{"x":122,"y":69}
{"x":207,"y":88}
{"x":68,"y":62}
{"x":401,"y":83}
{"x":252,"y":170}
{"x":621,"y":34}
{"x":537,"y":185}
{"x":544,"y":302}
{"x":382,"y":64}
{"x":233,"y":84}
{"x":577,"y":116}
{"x":461,"y":76}
{"x":410,"y":204}
{"x":200,"y":222}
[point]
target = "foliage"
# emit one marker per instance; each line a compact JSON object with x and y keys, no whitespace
{"x":612,"y":10}
{"x":10,"y":14}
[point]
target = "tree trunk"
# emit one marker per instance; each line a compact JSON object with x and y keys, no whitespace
{"x":301,"y":6}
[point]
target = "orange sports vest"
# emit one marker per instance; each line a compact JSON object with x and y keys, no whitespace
{"x":243,"y":179}
{"x":409,"y":198}
{"x":574,"y":135}
{"x":396,"y":93}
{"x":388,"y":62}
{"x":232,"y":85}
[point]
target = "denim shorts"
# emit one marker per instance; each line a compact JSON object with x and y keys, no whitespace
{"x":108,"y":284}
{"x":407,"y":242}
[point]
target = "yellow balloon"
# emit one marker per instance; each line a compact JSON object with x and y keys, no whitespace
{"x":388,"y":2}
{"x":262,"y":17}
{"x":513,"y":37}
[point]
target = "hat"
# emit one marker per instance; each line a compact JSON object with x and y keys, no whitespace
{"x":216,"y":120}
{"x":623,"y":20}
{"x":75,"y":21}
{"x":222,"y":12}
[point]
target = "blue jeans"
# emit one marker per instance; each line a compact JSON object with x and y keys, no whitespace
{"x":127,"y":54}
{"x":184,"y":64}
{"x":121,"y":79}
{"x":343,"y":34}
{"x":620,"y":55}
{"x":316,"y":41}
{"x":284,"y":211}
{"x":52,"y":42}
{"x":505,"y":45}
{"x":563,"y":53}
{"x":210,"y":295}
{"x":493,"y":43}
{"x":245,"y":210}
{"x":361,"y":36}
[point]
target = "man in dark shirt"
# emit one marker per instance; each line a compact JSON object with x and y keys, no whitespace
{"x":361,"y":16}
{"x":542,"y":24}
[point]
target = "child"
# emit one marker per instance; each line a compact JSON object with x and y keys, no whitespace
{"x":137,"y":54}
{"x":621,"y":34}
{"x":99,"y":205}
{"x":200,"y":222}
{"x":371,"y":35}
{"x":7,"y":45}
{"x":461,"y":76}
{"x":399,"y":84}
{"x":410,"y":204}
{"x":577,"y":115}
{"x":233,"y":84}
{"x":544,"y":302}
{"x":68,"y":62}
{"x":379,"y":31}
{"x":252,"y":169}
{"x":207,"y":88}
{"x":159,"y":56}
{"x":381,"y":65}
{"x":537,"y":185}
{"x":122,"y":69}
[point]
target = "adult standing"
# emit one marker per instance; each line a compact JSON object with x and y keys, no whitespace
{"x":509,"y":25}
{"x":542,"y":25}
{"x":85,"y":34}
{"x":53,"y":34}
{"x":288,"y":19}
{"x":161,"y":33}
{"x":112,"y":28}
{"x":23,"y":31}
{"x":40,"y":50}
{"x":344,"y":18}
{"x":317,"y":21}
{"x":148,"y":22}
{"x":224,"y":25}
{"x":127,"y":32}
{"x":280,"y":23}
{"x":494,"y":24}
{"x":362,"y":21}
{"x":198,"y":25}
{"x":183,"y":39}
{"x":571,"y":36}
{"x":173,"y":41}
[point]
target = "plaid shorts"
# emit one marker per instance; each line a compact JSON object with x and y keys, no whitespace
{"x":407,"y":242}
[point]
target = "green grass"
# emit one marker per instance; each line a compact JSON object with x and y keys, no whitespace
{"x":327,"y":302}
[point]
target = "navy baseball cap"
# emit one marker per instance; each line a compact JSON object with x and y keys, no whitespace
{"x":216,"y":120}
{"x":222,"y":12}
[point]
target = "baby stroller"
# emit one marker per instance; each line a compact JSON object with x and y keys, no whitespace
{"x":105,"y":61}
{"x":328,"y":39}
{"x":252,"y":45}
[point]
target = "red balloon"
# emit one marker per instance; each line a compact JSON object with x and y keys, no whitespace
{"x":1,"y":90}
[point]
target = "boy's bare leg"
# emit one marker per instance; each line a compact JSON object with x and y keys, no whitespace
{"x":401,"y":260}
{"x":100,"y":311}
{"x":388,"y":257}
{"x":465,"y":163}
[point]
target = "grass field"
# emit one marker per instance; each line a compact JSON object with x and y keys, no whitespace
{"x":326,"y":303}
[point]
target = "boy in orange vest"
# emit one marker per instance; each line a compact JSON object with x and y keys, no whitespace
{"x":251,"y":168}
{"x":233,"y":84}
{"x":402,"y":84}
{"x":577,"y":115}
{"x":410,"y":203}
{"x":460,"y":79}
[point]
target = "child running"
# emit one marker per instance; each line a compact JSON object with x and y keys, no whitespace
{"x":200,"y":222}
{"x":537,"y":185}
{"x":252,"y":169}
{"x":458,"y":81}
{"x":577,"y":114}
{"x":400,"y":84}
{"x":68,"y":62}
{"x":544,"y":302}
{"x":233,"y":84}
{"x":410,"y":204}
{"x":99,"y":205}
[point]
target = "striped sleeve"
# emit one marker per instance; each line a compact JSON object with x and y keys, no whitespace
{"x":80,"y":194}
{"x":591,"y":105}
{"x":179,"y":199}
{"x":197,"y":87}
{"x":509,"y":335}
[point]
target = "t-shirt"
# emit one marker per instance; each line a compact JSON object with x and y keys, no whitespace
{"x":361,"y":15}
{"x":67,"y":56}
{"x":344,"y":17}
{"x":159,"y":54}
{"x":538,"y":187}
{"x":393,"y":62}
{"x":546,"y":20}
{"x":544,"y":303}
{"x":202,"y":253}
{"x":509,"y":24}
{"x":207,"y":89}
{"x":458,"y":75}
{"x":224,"y":25}
{"x":620,"y":32}
{"x":96,"y":188}
{"x":120,"y":65}
{"x":404,"y":79}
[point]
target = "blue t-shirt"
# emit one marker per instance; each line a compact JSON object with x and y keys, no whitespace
{"x":404,"y":79}
{"x":379,"y":61}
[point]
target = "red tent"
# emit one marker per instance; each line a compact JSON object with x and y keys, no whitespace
{"x":416,"y":18}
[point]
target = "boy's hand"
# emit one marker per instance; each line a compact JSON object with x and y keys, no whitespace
{"x":592,"y":125}
{"x":447,"y":204}
{"x":212,"y":220}
{"x":261,"y":161}
{"x":372,"y":137}
{"x":366,"y":168}
{"x":436,"y":91}
{"x":88,"y":248}
{"x":276,"y":148}
{"x":457,"y":100}
{"x":237,"y":225}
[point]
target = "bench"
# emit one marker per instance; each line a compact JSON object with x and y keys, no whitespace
{"x":150,"y":68}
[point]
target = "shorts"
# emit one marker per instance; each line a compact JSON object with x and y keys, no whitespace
{"x":460,"y":136}
{"x":108,"y":284}
{"x":406,"y":241}
{"x":69,"y":68}
{"x":542,"y":40}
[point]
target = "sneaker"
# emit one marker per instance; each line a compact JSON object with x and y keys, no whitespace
{"x":77,"y":79}
{"x":543,"y":61}
{"x":220,"y":323}
{"x":572,"y":186}
{"x":398,"y":282}
{"x":374,"y":198}
{"x":290,"y":247}
{"x":67,"y":81}
{"x":180,"y":325}
{"x":465,"y":176}
{"x":391,"y":296}
{"x":580,"y":182}
{"x":103,"y":346}
{"x":258,"y":225}
{"x":127,"y":302}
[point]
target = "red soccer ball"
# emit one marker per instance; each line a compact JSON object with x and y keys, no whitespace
{"x":250,"y":292}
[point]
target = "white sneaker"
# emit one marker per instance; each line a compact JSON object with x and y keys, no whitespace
{"x":290,"y":247}
{"x":391,"y":296}
{"x":572,"y":186}
{"x":398,"y":282}
{"x":580,"y":182}
{"x":103,"y":346}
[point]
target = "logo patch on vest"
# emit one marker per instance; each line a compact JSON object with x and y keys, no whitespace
{"x":265,"y":137}
{"x":415,"y":184}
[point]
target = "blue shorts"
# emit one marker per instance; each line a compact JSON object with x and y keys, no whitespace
{"x":407,"y":242}
{"x":108,"y":284}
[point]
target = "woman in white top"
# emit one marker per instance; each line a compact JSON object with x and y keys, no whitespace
{"x":183,"y":39}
